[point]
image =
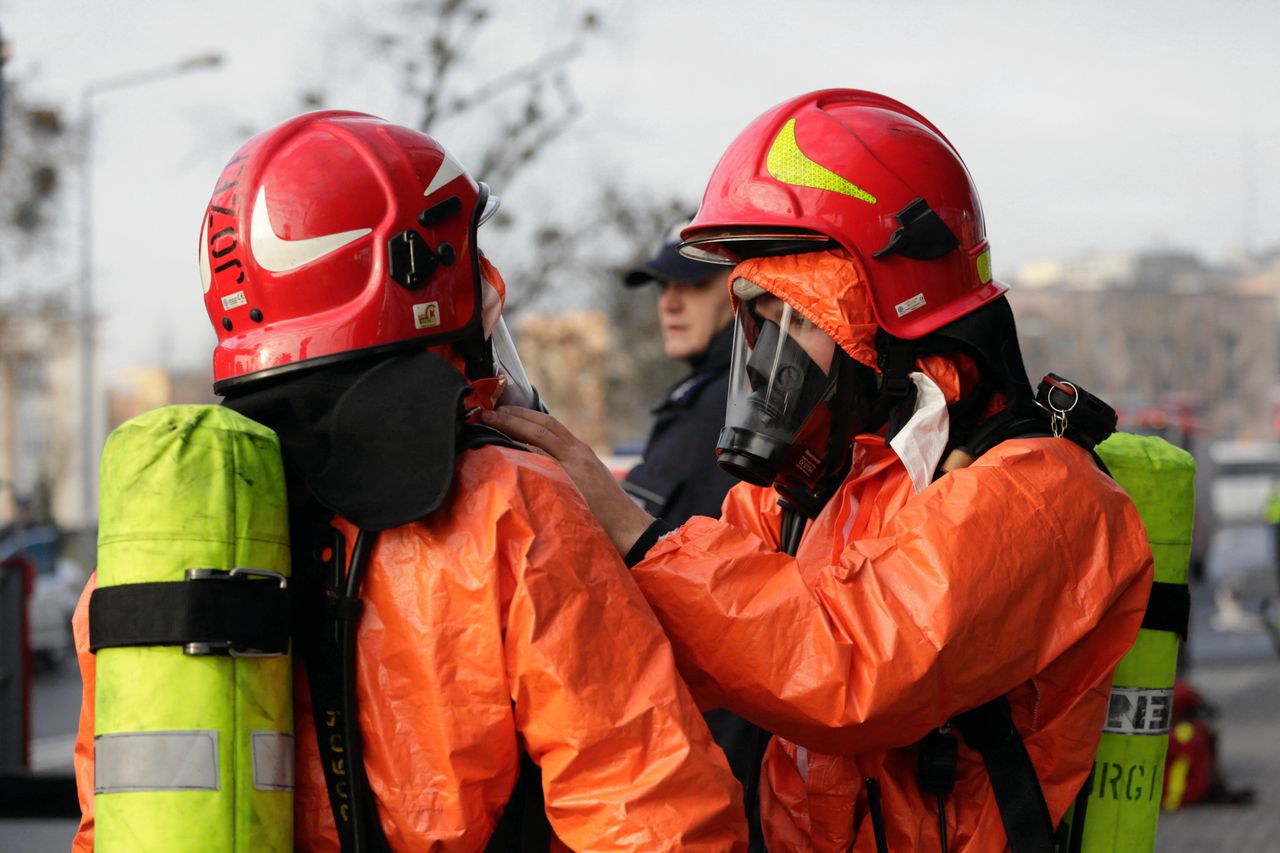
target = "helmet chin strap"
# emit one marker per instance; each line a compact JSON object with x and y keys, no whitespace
{"x":477,"y":354}
{"x":897,"y":359}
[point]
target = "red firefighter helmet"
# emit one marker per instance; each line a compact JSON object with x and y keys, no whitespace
{"x":336,"y":235}
{"x":871,"y":174}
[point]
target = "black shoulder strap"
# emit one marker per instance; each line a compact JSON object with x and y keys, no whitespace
{"x":1026,"y":421}
{"x":989,"y":729}
{"x":319,"y":553}
{"x":523,"y":827}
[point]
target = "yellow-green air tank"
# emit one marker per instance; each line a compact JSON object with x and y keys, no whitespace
{"x":192,"y":752}
{"x":1124,"y":799}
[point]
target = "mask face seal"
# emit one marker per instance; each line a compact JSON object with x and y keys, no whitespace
{"x":795,"y":402}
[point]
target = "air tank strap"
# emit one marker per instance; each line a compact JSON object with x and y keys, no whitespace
{"x":1168,"y":608}
{"x":240,"y":612}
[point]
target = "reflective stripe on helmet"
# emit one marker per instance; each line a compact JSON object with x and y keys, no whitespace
{"x":984,"y":266}
{"x":788,"y":164}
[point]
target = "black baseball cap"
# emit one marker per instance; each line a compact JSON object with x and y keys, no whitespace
{"x":668,"y":264}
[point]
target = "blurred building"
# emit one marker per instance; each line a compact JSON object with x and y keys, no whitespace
{"x":141,"y":389}
{"x":1159,"y":331}
{"x":565,"y":356}
{"x":41,"y":415}
{"x":42,"y":418}
{"x":1163,"y":271}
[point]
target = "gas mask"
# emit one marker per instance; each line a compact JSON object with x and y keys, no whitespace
{"x":796,"y":400}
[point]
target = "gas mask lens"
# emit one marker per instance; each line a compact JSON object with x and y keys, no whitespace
{"x":780,"y":376}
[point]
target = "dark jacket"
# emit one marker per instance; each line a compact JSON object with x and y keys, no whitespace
{"x":678,"y":476}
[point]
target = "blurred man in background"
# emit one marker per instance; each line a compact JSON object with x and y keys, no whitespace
{"x":678,"y":477}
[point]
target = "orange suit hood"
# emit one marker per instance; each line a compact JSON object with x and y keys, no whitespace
{"x":827,"y":288}
{"x":830,"y":290}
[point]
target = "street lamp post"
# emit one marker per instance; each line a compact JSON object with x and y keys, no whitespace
{"x":89,"y":426}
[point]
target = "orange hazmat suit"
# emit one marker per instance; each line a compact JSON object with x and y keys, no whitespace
{"x":505,"y":619}
{"x":1025,"y":574}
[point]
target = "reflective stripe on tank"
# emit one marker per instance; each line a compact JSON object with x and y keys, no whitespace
{"x":272,"y":761}
{"x":1139,"y":711}
{"x":155,"y":761}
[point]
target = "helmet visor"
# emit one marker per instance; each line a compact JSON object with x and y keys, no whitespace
{"x":732,"y":246}
{"x":519,"y":390}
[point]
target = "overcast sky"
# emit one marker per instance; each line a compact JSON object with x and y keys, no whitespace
{"x":1088,"y":126}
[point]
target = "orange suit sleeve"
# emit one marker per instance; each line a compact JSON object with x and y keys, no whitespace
{"x":972,"y":588}
{"x":627,"y":762}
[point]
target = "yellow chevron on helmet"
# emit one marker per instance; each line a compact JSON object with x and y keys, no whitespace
{"x":790,"y":165}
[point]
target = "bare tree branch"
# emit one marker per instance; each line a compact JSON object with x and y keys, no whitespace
{"x":551,"y":63}
{"x":33,"y":165}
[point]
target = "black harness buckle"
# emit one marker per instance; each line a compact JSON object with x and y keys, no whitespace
{"x":1074,"y":412}
{"x":230,"y":647}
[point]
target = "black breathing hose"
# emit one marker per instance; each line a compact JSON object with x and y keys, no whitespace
{"x":365,"y":541}
{"x":793,"y":524}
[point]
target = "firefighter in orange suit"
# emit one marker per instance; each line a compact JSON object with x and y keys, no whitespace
{"x":500,"y":645}
{"x":924,"y":585}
